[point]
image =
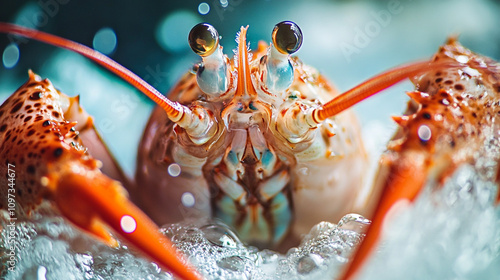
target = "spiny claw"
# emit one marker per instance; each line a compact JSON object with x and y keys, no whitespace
{"x":39,"y":141}
{"x":93,"y":201}
{"x":432,"y":142}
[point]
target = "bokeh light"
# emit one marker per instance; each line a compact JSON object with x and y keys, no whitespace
{"x":105,"y":40}
{"x":10,"y":56}
{"x":203,"y":8}
{"x":174,"y":170}
{"x":128,"y":224}
{"x":173,"y":30}
{"x":188,"y":199}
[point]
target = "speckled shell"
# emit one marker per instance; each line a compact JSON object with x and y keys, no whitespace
{"x":453,"y":118}
{"x":42,"y":131}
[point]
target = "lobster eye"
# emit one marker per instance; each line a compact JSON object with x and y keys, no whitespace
{"x":203,"y":39}
{"x":276,"y":67}
{"x":287,"y":37}
{"x":212,"y":75}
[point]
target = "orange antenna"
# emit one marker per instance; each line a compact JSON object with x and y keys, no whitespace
{"x":174,"y":110}
{"x":371,"y":87}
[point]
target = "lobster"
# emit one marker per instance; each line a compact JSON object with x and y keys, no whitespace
{"x":256,"y":141}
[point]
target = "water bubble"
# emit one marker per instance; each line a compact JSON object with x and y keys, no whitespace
{"x":233,"y":263}
{"x":203,"y":8}
{"x":309,"y":263}
{"x":187,"y":199}
{"x":174,"y":170}
{"x":220,"y":235}
{"x":105,"y":40}
{"x":354,"y":222}
{"x":292,"y":251}
{"x":128,"y":224}
{"x":224,"y":3}
{"x":424,"y":133}
{"x":321,"y":228}
{"x":10,"y":56}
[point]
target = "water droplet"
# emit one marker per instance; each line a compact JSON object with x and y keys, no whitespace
{"x":187,"y":199}
{"x":220,"y":235}
{"x":174,"y":170}
{"x":354,"y":222}
{"x":105,"y":40}
{"x":10,"y":56}
{"x":462,"y":58}
{"x":203,"y":8}
{"x":309,"y":263}
{"x":424,"y":133}
{"x":128,"y":224}
{"x":321,"y":228}
{"x":233,"y":263}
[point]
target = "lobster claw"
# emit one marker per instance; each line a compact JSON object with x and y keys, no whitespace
{"x":59,"y":169}
{"x":93,"y":201}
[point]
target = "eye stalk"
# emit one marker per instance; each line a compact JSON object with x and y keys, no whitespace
{"x":276,"y":65}
{"x":212,"y":74}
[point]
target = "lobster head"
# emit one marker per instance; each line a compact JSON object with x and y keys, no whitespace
{"x":253,"y":81}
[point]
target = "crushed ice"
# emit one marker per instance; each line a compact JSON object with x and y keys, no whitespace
{"x":451,"y":232}
{"x":50,"y":248}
